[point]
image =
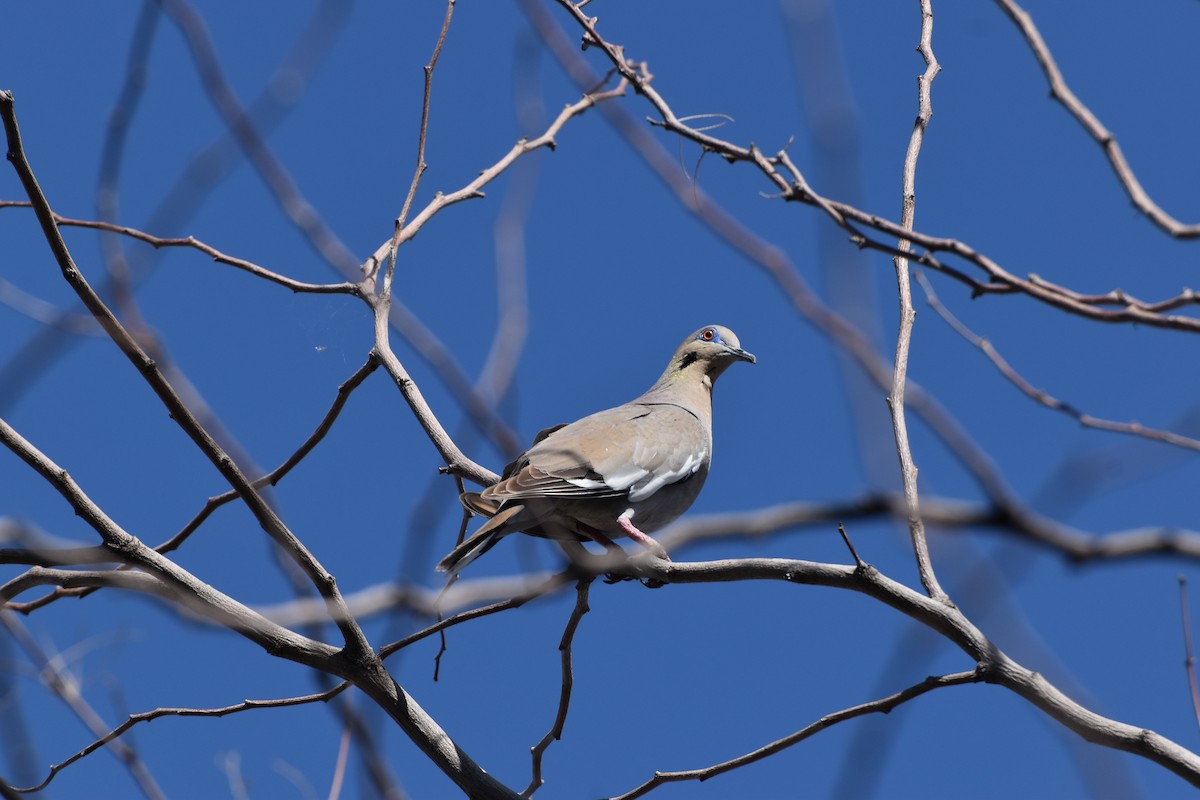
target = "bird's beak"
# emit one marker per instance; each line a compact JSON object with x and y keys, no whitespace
{"x":741,"y":354}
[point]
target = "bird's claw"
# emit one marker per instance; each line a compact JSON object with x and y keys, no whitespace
{"x":649,"y":583}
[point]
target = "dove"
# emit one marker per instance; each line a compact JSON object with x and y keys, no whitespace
{"x":624,"y":471}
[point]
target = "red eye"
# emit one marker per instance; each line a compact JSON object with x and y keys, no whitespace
{"x":708,"y":334}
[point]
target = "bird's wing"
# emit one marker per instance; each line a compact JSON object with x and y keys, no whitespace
{"x":634,"y":449}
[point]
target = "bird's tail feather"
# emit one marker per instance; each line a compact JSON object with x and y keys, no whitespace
{"x":479,"y":542}
{"x":476,"y":504}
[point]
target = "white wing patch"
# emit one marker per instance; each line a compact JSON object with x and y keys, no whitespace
{"x":589,"y":483}
{"x":618,"y":481}
{"x":648,"y":487}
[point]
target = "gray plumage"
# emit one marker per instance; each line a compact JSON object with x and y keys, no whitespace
{"x":620,"y":472}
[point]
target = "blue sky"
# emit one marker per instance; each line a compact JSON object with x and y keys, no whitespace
{"x":618,"y":271}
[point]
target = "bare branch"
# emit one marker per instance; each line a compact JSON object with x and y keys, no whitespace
{"x":46,"y":313}
{"x":895,"y":399}
{"x":945,"y":513}
{"x":568,"y":682}
{"x":474,"y":188}
{"x":530,"y":590}
{"x":883,"y":705}
{"x":58,"y":557}
{"x":320,"y":236}
{"x":1103,"y":136}
{"x":339,"y":772}
{"x":158,"y":713}
{"x":1016,"y":519}
{"x":858,"y":562}
{"x":195,"y":244}
{"x":790,"y":185}
{"x":775,"y":262}
{"x":165,"y":579}
{"x":1189,"y":663}
{"x":271,"y":478}
{"x":180,"y":413}
{"x":992,"y":664}
{"x":64,"y":685}
{"x":297,"y":209}
{"x":1046,"y":399}
{"x":421,"y":165}
{"x":194,"y":181}
{"x":456,"y":462}
{"x":368,"y":670}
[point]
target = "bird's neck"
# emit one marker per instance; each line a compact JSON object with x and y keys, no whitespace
{"x":689,"y":388}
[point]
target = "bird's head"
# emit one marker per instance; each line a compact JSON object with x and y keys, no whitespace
{"x":708,"y":352}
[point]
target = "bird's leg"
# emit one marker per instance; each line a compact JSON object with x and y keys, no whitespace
{"x":645,"y":541}
{"x":600,"y":539}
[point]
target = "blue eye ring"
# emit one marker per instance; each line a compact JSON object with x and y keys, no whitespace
{"x":709,"y":335}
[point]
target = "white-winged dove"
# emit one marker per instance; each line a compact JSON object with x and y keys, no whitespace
{"x":620,"y":472}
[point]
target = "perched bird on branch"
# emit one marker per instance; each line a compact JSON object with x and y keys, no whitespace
{"x":620,"y":472}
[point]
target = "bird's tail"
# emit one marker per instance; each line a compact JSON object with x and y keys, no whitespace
{"x":479,"y":542}
{"x":477,"y":504}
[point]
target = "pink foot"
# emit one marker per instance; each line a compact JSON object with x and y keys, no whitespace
{"x":645,"y":541}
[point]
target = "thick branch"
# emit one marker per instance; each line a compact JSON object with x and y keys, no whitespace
{"x":357,"y":661}
{"x":180,"y":413}
{"x":163,"y":578}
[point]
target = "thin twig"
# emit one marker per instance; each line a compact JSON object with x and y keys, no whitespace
{"x":193,"y":183}
{"x":790,"y":185}
{"x":66,"y":688}
{"x":339,"y":770}
{"x":474,"y":189}
{"x":549,"y":584}
{"x":271,"y":478}
{"x":112,"y":153}
{"x":883,"y":705}
{"x":568,"y":682}
{"x":1046,"y":399}
{"x":895,"y":399}
{"x":462,"y":532}
{"x":1103,"y":136}
{"x":150,"y":716}
{"x":421,"y":165}
{"x":291,"y":201}
{"x":456,"y":461}
{"x":858,"y":562}
{"x":193,"y":243}
{"x":308,"y":222}
{"x":1189,"y":662}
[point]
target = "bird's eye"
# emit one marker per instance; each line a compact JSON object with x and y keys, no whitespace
{"x":709,"y":335}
